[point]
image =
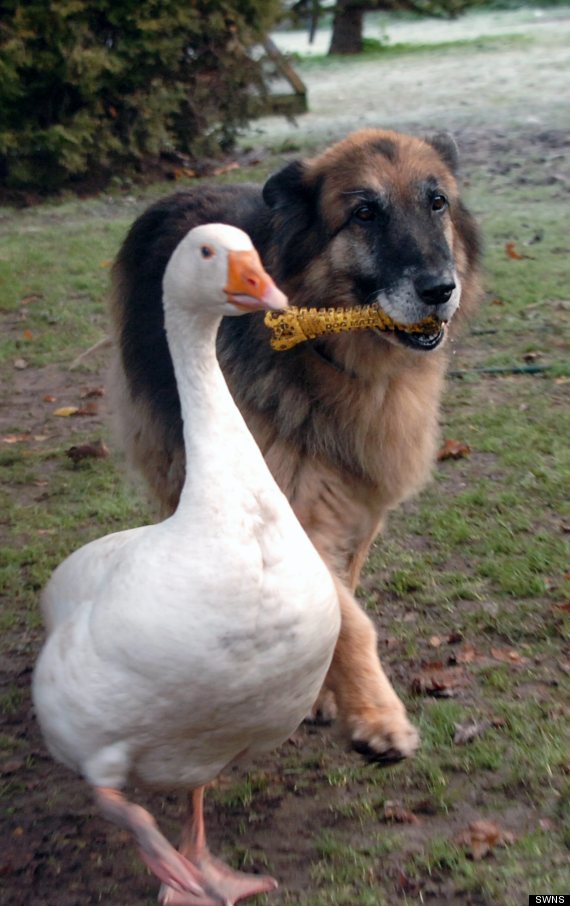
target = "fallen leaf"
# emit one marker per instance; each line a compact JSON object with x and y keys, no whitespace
{"x":20,"y":364}
{"x":508,"y":656}
{"x":27,"y":334}
{"x":90,"y":408}
{"x":532,"y":357}
{"x":33,"y":297}
{"x":107,"y":263}
{"x":181,"y":172}
{"x":49,"y":398}
{"x":565,"y":608}
{"x":92,"y":393}
{"x":512,"y":252}
{"x":394,"y":811}
{"x":96,"y":450}
{"x":481,"y":836}
{"x":497,"y":302}
{"x":435,"y":641}
{"x":465,"y":655}
{"x":437,"y":680}
{"x":454,"y":637}
{"x":66,"y":411}
{"x":453,"y":449}
{"x":16,"y":438}
{"x":225,"y":168}
{"x":465,"y":733}
{"x":426,"y":807}
{"x":406,"y":884}
{"x":498,"y":722}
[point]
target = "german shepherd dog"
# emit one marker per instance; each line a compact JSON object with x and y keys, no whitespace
{"x":348,"y":423}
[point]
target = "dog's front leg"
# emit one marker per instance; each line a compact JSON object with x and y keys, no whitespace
{"x":371,"y":713}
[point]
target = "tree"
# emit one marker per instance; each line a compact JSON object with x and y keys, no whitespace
{"x":348,"y":21}
{"x":97,"y":87}
{"x":348,"y":25}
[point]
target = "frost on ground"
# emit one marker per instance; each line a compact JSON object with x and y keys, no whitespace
{"x":516,"y":76}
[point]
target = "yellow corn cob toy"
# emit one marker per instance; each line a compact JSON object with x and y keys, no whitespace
{"x":295,"y":325}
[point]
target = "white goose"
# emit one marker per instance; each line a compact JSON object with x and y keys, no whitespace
{"x":174,"y":649}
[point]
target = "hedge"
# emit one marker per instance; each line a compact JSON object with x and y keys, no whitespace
{"x":96,"y":87}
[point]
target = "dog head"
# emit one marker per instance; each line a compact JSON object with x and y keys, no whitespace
{"x":378,"y":219}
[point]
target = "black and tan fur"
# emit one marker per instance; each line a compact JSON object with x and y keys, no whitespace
{"x":348,"y":424}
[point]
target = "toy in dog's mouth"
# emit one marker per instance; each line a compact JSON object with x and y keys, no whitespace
{"x":296,"y":325}
{"x":425,"y":341}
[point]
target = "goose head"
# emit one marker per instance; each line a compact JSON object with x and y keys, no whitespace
{"x":216,"y":268}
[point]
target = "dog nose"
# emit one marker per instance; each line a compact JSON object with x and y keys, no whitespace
{"x":434,"y":289}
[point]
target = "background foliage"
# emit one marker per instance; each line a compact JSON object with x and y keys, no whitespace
{"x":87,"y":86}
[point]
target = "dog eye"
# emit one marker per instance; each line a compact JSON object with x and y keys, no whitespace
{"x":365,"y":213}
{"x":439,"y":203}
{"x":207,"y":251}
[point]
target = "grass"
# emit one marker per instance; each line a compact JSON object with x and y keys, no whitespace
{"x":481,"y":553}
{"x":376,"y":48}
{"x":43,"y":275}
{"x":481,"y":556}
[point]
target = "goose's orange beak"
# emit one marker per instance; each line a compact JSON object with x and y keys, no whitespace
{"x":249,"y":287}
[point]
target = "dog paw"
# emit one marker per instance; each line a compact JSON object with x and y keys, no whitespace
{"x":383,"y":736}
{"x":324,"y":711}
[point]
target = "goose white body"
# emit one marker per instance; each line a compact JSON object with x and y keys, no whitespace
{"x":175,"y":648}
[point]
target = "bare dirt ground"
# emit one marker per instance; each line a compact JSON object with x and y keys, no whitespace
{"x":506,"y":106}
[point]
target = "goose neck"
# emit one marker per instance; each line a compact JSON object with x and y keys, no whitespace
{"x":212,"y":424}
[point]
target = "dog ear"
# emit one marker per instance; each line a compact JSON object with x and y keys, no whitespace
{"x":287,"y":187}
{"x":292,"y":196}
{"x":446,"y":147}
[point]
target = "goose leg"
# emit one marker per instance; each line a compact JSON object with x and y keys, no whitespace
{"x":221,"y":882}
{"x":168,"y":865}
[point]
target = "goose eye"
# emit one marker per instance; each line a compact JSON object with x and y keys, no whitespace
{"x":365,"y":213}
{"x":439,"y":203}
{"x":207,"y":251}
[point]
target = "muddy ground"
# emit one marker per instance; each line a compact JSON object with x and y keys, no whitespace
{"x":505,"y":106}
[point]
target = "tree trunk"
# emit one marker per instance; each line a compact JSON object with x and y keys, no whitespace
{"x":347,"y":28}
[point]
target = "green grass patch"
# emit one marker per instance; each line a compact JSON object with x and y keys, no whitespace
{"x":481,"y":554}
{"x":374,"y":48}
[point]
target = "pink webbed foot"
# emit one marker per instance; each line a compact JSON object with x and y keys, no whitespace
{"x":180,"y":876}
{"x":170,"y":897}
{"x":156,"y":852}
{"x":222,"y":883}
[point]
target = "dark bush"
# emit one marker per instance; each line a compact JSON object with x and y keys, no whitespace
{"x":96,"y":87}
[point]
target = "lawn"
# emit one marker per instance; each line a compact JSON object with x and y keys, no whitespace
{"x":469,"y":586}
